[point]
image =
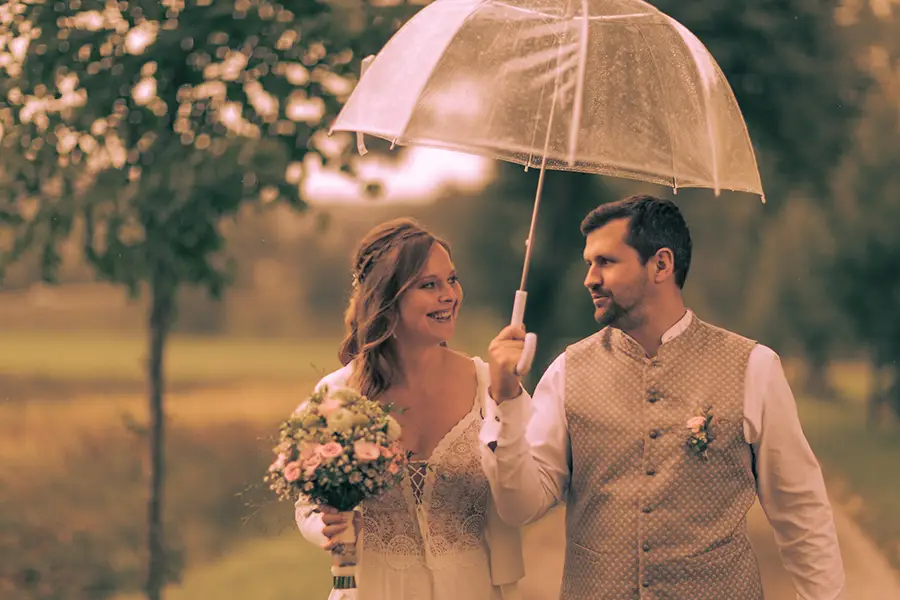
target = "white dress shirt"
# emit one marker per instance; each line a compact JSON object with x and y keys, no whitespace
{"x":530,"y":465}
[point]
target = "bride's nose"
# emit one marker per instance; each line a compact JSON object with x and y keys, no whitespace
{"x":448,"y":295}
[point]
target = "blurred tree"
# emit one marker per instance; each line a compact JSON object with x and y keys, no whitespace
{"x":800,"y":96}
{"x":150,"y":124}
{"x":791,"y":301}
{"x":864,"y":273}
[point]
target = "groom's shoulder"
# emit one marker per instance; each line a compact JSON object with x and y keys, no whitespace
{"x":725,"y":335}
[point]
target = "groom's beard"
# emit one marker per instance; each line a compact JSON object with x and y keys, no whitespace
{"x":611,"y":314}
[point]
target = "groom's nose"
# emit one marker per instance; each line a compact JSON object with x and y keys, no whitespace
{"x":593,"y":279}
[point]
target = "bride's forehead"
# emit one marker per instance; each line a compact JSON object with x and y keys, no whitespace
{"x":438,"y":259}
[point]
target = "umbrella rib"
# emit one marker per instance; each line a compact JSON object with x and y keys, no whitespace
{"x":667,"y":111}
{"x":705,"y":85}
{"x":549,"y":16}
{"x":578,"y":101}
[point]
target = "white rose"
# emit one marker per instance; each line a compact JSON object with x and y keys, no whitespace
{"x":340,"y":420}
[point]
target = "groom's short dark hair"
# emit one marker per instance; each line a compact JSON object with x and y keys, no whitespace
{"x":653,"y":223}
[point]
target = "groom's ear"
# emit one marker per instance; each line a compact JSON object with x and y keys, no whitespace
{"x":663,"y":265}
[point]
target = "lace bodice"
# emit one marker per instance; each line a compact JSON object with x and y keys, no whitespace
{"x":439,"y":509}
{"x":426,"y":539}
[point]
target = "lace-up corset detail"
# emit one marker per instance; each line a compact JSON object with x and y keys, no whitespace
{"x":439,"y":509}
{"x":416,"y":472}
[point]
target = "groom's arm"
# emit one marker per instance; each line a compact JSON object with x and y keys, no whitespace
{"x":789,"y":482}
{"x":525,"y":449}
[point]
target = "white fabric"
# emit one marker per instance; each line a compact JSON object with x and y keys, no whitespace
{"x":451,"y":545}
{"x":530,"y":467}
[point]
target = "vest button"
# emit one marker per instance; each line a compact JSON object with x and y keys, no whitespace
{"x":646,"y":584}
{"x":646,"y":547}
{"x":647,"y":510}
{"x":654,"y":434}
{"x":652,"y":399}
{"x":651,"y":472}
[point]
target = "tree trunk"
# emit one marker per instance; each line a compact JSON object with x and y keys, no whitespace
{"x":873,"y":404}
{"x":161,"y":311}
{"x":893,"y":394}
{"x":817,"y":383}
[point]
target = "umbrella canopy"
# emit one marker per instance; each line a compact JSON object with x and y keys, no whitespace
{"x":613,"y":87}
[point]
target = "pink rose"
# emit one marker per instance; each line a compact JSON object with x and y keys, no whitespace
{"x":311,"y":464}
{"x":329,"y":406}
{"x":330,"y":450}
{"x":386,"y":452}
{"x":393,"y":468}
{"x":695,"y":424}
{"x":366,"y":451}
{"x":292,"y":471}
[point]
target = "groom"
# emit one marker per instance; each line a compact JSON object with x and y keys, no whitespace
{"x":659,"y":431}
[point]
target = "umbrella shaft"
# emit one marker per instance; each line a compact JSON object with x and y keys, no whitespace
{"x":529,"y":243}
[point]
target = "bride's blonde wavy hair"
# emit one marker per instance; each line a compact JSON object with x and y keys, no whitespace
{"x":385,"y":264}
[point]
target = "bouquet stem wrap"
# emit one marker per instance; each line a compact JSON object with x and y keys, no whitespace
{"x":343,"y":560}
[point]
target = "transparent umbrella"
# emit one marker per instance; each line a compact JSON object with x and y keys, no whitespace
{"x":613,"y":87}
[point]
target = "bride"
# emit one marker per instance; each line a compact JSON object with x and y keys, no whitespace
{"x":436,"y":535}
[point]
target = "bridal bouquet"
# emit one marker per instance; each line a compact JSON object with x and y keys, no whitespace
{"x":338,"y":449}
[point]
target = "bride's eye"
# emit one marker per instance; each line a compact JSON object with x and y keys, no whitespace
{"x":427,"y":285}
{"x":453,"y":280}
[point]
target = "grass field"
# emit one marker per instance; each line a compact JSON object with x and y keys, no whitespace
{"x":279,"y":568}
{"x":34,"y":363}
{"x":107,"y":357}
{"x":72,"y":473}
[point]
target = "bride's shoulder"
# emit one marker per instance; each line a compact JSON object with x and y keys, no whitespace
{"x":482,"y":370}
{"x":466,"y":362}
{"x":337,"y":378}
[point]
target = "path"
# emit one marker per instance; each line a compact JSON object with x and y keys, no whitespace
{"x":869,"y":576}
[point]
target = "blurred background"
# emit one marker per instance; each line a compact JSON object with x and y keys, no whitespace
{"x":176,"y":227}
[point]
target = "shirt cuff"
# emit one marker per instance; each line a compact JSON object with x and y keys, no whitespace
{"x":506,"y":422}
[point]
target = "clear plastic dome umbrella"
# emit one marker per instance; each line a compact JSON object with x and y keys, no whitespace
{"x":612,"y":87}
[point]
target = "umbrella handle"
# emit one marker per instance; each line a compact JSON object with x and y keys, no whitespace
{"x":518,"y":319}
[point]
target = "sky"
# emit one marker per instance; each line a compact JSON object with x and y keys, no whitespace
{"x":410,"y":176}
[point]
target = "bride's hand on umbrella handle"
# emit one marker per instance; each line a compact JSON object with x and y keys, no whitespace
{"x":511,"y":354}
{"x":528,"y":350}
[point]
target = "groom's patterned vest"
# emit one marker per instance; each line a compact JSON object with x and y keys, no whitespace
{"x":646,"y":518}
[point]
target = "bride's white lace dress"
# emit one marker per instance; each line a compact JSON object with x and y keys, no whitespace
{"x":425,"y":539}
